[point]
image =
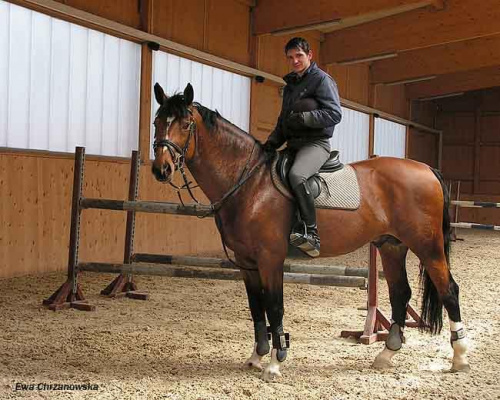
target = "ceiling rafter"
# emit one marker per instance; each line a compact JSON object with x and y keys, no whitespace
{"x":460,"y":20}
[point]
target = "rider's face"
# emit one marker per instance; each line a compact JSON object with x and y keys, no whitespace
{"x":298,"y":60}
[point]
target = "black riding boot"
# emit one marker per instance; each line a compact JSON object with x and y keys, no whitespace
{"x":305,"y":236}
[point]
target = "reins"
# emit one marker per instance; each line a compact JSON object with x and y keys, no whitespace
{"x":179,"y":155}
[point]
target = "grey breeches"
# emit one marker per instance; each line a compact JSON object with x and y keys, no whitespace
{"x":308,"y":160}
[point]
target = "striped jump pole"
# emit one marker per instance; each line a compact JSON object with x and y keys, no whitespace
{"x":475,"y":204}
{"x":221,"y":274}
{"x":471,"y":225}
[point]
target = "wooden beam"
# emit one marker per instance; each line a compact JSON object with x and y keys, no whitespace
{"x":146,"y":10}
{"x":92,"y":21}
{"x":438,"y":60}
{"x":477,"y":148}
{"x":459,"y":20}
{"x":280,"y":16}
{"x":454,"y":83}
{"x":145,"y":103}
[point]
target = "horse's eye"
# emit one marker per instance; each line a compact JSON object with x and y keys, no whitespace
{"x":185,"y":125}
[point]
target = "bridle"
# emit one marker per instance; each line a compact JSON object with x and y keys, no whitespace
{"x":178,"y":155}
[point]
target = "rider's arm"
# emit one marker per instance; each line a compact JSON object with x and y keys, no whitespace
{"x":329,"y":112}
{"x":277,"y":137}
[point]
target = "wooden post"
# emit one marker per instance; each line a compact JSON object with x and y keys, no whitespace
{"x":70,"y":295}
{"x":145,"y":102}
{"x":123,"y":284}
{"x":376,"y":323}
{"x":371,"y":136}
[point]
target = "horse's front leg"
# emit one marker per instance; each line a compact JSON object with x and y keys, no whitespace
{"x":258,"y":311}
{"x":271,"y":275}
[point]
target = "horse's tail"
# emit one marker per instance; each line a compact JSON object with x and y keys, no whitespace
{"x":432,"y":307}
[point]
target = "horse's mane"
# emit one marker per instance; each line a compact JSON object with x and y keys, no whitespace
{"x":175,"y":106}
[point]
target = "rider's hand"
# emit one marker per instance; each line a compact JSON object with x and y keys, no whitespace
{"x":295,"y":120}
{"x":269,"y":147}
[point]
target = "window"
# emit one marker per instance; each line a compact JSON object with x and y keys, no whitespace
{"x":62,"y":85}
{"x":214,"y":88}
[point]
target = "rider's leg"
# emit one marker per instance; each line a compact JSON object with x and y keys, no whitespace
{"x":308,"y":161}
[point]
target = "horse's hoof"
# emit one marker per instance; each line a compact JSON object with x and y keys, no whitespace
{"x":460,"y":368}
{"x":253,"y":364}
{"x":270,"y":374}
{"x":382,"y":363}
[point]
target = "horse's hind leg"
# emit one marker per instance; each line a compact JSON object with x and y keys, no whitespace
{"x":393,"y":255}
{"x":440,"y":289}
{"x":258,"y":311}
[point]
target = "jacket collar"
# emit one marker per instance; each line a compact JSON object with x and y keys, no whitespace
{"x":293,"y":77}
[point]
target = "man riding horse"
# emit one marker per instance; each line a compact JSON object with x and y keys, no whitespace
{"x":307,"y":134}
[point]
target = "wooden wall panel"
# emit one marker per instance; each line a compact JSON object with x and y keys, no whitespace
{"x":35,"y":216}
{"x":490,"y":129}
{"x":270,"y":55}
{"x":228,"y":30}
{"x":458,"y":127}
{"x":458,"y":162}
{"x":182,"y":21}
{"x":266,"y":106}
{"x":352,"y":81}
{"x":124,"y":11}
{"x":423,"y":146}
{"x":471,"y":125}
{"x":489,"y":163}
{"x":424,"y":112}
{"x":391,"y":99}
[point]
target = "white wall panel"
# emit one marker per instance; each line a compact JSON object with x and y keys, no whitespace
{"x":390,"y":138}
{"x":216,"y":89}
{"x":351,"y":136}
{"x":40,"y":86}
{"x":62,"y":85}
{"x":59,"y":85}
{"x":18,"y":81}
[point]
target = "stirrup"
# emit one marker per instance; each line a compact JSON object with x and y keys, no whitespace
{"x":305,"y":242}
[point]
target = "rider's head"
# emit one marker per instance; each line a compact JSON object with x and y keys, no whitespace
{"x":298,"y":54}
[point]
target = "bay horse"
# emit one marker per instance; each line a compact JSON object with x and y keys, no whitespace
{"x":404,"y":205}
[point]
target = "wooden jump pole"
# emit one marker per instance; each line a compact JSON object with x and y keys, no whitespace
{"x":217,"y":273}
{"x":289,"y":266}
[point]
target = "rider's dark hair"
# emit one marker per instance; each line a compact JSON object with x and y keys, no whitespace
{"x":298,"y":43}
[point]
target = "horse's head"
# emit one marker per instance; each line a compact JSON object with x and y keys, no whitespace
{"x":174,"y":132}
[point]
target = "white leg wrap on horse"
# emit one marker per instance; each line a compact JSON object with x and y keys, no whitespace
{"x":273,"y":369}
{"x":255,"y":360}
{"x":460,"y":362}
{"x":383,"y":359}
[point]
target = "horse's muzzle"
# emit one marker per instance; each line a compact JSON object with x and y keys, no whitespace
{"x":162,"y":174}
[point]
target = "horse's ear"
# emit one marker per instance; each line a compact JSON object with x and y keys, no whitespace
{"x":188,"y":94}
{"x":160,"y":95}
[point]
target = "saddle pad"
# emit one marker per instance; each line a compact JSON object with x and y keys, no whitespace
{"x":342,"y":192}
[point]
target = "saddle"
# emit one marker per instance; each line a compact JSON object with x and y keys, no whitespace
{"x":285,"y":162}
{"x":335,"y":186}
